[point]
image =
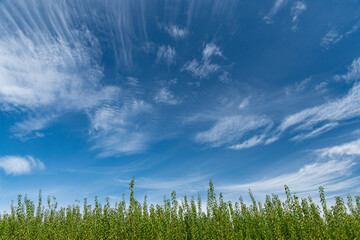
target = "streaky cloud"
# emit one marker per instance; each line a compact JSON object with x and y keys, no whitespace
{"x":276,"y":7}
{"x":253,"y":141}
{"x":231,"y":129}
{"x":346,"y":149}
{"x":316,"y":132}
{"x":331,"y":174}
{"x":296,"y":10}
{"x":164,"y":95}
{"x":166,"y":54}
{"x":345,"y":108}
{"x":176,"y":32}
{"x":353,"y":73}
{"x":119,"y":130}
{"x":205,"y":67}
{"x":331,"y":38}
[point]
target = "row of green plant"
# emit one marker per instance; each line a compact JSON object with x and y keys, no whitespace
{"x":293,"y":218}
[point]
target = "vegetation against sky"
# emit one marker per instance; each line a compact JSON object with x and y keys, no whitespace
{"x":293,"y":218}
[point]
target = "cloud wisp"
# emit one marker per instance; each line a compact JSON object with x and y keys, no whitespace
{"x":298,"y":87}
{"x":325,"y":116}
{"x":175,"y":31}
{"x":330,"y":39}
{"x":119,"y":130}
{"x":333,"y":37}
{"x":296,"y":10}
{"x":333,"y":169}
{"x":273,"y":11}
{"x":353,"y":73}
{"x":230,"y":130}
{"x":48,"y":68}
{"x":316,"y":132}
{"x":205,"y":67}
{"x":346,"y":149}
{"x":164,"y":95}
{"x":166,"y":54}
{"x":332,"y":174}
{"x":17,"y":165}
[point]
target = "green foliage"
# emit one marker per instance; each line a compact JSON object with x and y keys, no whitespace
{"x":292,"y":219}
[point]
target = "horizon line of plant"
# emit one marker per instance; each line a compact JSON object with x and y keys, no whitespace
{"x":293,"y":218}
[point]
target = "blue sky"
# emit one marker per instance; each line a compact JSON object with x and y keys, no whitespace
{"x":253,"y":94}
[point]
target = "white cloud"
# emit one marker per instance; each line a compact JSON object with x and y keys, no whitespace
{"x":334,"y":170}
{"x":120,"y":130}
{"x":228,"y":130}
{"x":353,"y":29}
{"x":244,"y":103}
{"x":351,"y":148}
{"x":204,"y":68}
{"x":56,"y":67}
{"x":132,"y":81}
{"x":200,"y":70}
{"x":17,"y":165}
{"x":298,"y":87}
{"x":211,"y":50}
{"x":342,"y":109}
{"x":321,"y":87}
{"x":167,"y":54}
{"x":353,"y":73}
{"x":296,"y":10}
{"x":316,"y":132}
{"x":276,"y":7}
{"x":50,"y":74}
{"x":32,"y":126}
{"x":224,"y":77}
{"x":331,"y":38}
{"x":164,"y":95}
{"x":176,"y":32}
{"x":333,"y":175}
{"x":149,"y":47}
{"x":37,"y":74}
{"x":253,"y":141}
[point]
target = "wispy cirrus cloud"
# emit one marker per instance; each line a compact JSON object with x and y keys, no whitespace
{"x":230,"y":130}
{"x":333,"y":169}
{"x":202,"y":69}
{"x":332,"y":174}
{"x":17,"y":165}
{"x":296,"y":10}
{"x":245,"y":103}
{"x":120,"y":130}
{"x":326,"y":115}
{"x":251,"y":142}
{"x":346,"y":149}
{"x":175,"y":31}
{"x":353,"y":73}
{"x":164,"y":95}
{"x":273,"y":11}
{"x":331,"y":38}
{"x":43,"y":71}
{"x":316,"y":132}
{"x":353,"y":29}
{"x":32,"y":126}
{"x":54,"y":72}
{"x":305,"y":124}
{"x":298,"y":87}
{"x":166,"y":54}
